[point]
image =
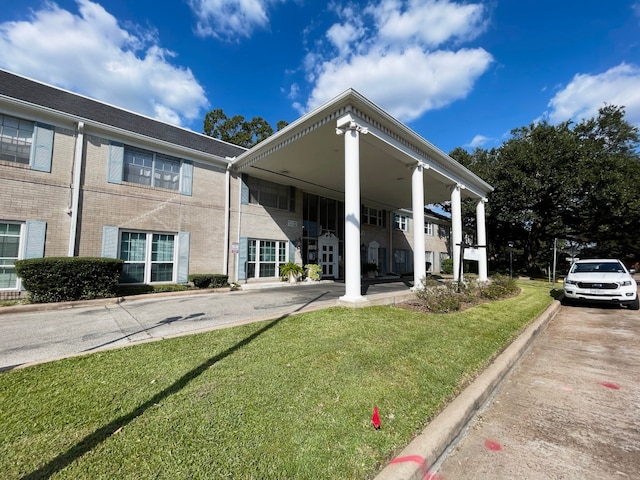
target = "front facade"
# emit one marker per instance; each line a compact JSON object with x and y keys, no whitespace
{"x":82,"y":178}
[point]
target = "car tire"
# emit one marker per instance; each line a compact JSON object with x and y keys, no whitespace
{"x":565,"y":301}
{"x":635,"y":305}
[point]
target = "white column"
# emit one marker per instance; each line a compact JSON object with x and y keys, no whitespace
{"x":456,"y":230}
{"x":482,"y":240}
{"x":352,"y":280}
{"x":77,"y":180}
{"x":417,"y":205}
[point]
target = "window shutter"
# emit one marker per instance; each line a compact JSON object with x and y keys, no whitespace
{"x":292,"y":251}
{"x":243,"y":251}
{"x":110,"y":237}
{"x":292,"y":199}
{"x":183,"y":258}
{"x":384,"y":218}
{"x":35,"y":236}
{"x":244,"y":191}
{"x":115,"y":163}
{"x":42,"y":149}
{"x":186,"y":177}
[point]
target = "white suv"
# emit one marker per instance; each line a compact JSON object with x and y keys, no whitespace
{"x":601,"y":280}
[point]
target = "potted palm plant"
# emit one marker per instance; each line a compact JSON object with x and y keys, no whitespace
{"x":370,"y":269}
{"x":291,"y":271}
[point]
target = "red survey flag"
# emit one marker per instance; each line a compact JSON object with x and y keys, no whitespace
{"x":376,"y":418}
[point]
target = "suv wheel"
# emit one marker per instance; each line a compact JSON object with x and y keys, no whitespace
{"x":635,"y":305}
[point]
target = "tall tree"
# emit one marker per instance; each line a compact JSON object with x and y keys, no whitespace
{"x":577,"y":183}
{"x":236,"y":129}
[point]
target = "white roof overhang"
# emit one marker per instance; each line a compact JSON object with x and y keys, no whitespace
{"x":308,"y":154}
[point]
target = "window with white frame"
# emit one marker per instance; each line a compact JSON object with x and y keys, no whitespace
{"x":265,"y":257}
{"x":9,"y":253}
{"x":402,"y":261}
{"x":428,"y":229}
{"x":16,"y":138}
{"x":148,"y":257}
{"x":149,"y":168}
{"x":401,"y":222}
{"x":428,"y":257}
{"x":373,"y":216}
{"x":443,"y":231}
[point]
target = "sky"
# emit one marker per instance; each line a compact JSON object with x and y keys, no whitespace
{"x":459,"y":73}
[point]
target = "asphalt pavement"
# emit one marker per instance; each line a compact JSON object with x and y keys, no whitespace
{"x":39,"y":333}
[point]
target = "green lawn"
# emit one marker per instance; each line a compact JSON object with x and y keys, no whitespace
{"x":290,"y":398}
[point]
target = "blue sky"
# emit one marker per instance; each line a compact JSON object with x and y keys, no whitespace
{"x":459,"y":73}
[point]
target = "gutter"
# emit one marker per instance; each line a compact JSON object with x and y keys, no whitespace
{"x":77,"y":176}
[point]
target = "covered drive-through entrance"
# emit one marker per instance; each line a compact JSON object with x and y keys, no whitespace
{"x":352,"y":152}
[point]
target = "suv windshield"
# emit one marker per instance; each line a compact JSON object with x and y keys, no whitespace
{"x":596,"y":267}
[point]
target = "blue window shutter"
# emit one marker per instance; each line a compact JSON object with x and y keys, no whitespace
{"x":35,"y":235}
{"x":42,"y":148}
{"x":186,"y":177}
{"x":115,"y":163}
{"x":244,"y":191}
{"x":183,"y":258}
{"x":292,"y":251}
{"x":110,"y":238}
{"x":243,"y":253}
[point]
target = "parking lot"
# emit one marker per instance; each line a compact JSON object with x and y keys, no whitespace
{"x":570,"y":410}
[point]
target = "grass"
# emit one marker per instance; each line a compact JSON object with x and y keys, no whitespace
{"x":290,"y":398}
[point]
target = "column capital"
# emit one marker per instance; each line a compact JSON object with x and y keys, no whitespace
{"x":351,"y":125}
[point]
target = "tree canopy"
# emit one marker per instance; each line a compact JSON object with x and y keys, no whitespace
{"x":574,"y":182}
{"x":237,"y":130}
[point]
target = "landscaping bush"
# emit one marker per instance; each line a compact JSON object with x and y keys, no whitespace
{"x":499,"y":286}
{"x":446,"y":266}
{"x":445,"y":297}
{"x":209,"y":280}
{"x":61,"y":279}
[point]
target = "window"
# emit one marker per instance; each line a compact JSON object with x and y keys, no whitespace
{"x":16,"y":137}
{"x":443,"y":231}
{"x":265,"y":257}
{"x":402,"y":262}
{"x":428,"y":257}
{"x":9,"y":253}
{"x":269,"y":194}
{"x":401,"y":222}
{"x":148,"y":257}
{"x":373,"y":216}
{"x":149,"y":168}
{"x":428,"y":229}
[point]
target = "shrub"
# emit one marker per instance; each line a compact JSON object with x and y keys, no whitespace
{"x":499,"y":286}
{"x":439,"y":297}
{"x":446,"y":266}
{"x":60,"y":279}
{"x":313,"y":271}
{"x":209,"y":280}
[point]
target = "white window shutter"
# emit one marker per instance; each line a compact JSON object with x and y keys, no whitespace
{"x":35,"y":235}
{"x":42,"y":148}
{"x":186,"y":177}
{"x":115,"y":163}
{"x":110,"y":238}
{"x":183,"y":258}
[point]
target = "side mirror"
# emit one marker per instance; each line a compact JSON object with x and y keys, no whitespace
{"x":632,"y":271}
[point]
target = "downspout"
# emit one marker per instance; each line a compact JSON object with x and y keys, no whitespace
{"x":227,"y":213}
{"x":77,"y":176}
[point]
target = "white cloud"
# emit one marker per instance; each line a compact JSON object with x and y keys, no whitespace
{"x":227,"y":19}
{"x":388,"y":53}
{"x":92,"y":54}
{"x":478,"y":141}
{"x":636,"y":9}
{"x":585,"y":94}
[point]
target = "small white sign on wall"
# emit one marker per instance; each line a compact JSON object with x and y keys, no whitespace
{"x":472,"y":254}
{"x":292,"y":223}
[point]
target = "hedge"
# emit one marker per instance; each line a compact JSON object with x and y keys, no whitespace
{"x":209,"y":280}
{"x":61,"y":279}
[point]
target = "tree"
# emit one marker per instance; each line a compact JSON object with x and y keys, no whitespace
{"x":237,"y":130}
{"x":577,"y":183}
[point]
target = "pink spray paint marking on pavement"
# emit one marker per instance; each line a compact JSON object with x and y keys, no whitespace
{"x":610,"y":385}
{"x":493,"y":446}
{"x":423,"y":466}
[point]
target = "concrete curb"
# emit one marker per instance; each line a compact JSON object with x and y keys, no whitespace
{"x":429,"y":448}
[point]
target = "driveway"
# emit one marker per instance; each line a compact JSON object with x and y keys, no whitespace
{"x":34,"y":336}
{"x":570,"y":410}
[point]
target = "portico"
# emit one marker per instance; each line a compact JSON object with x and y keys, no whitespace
{"x":351,"y":150}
